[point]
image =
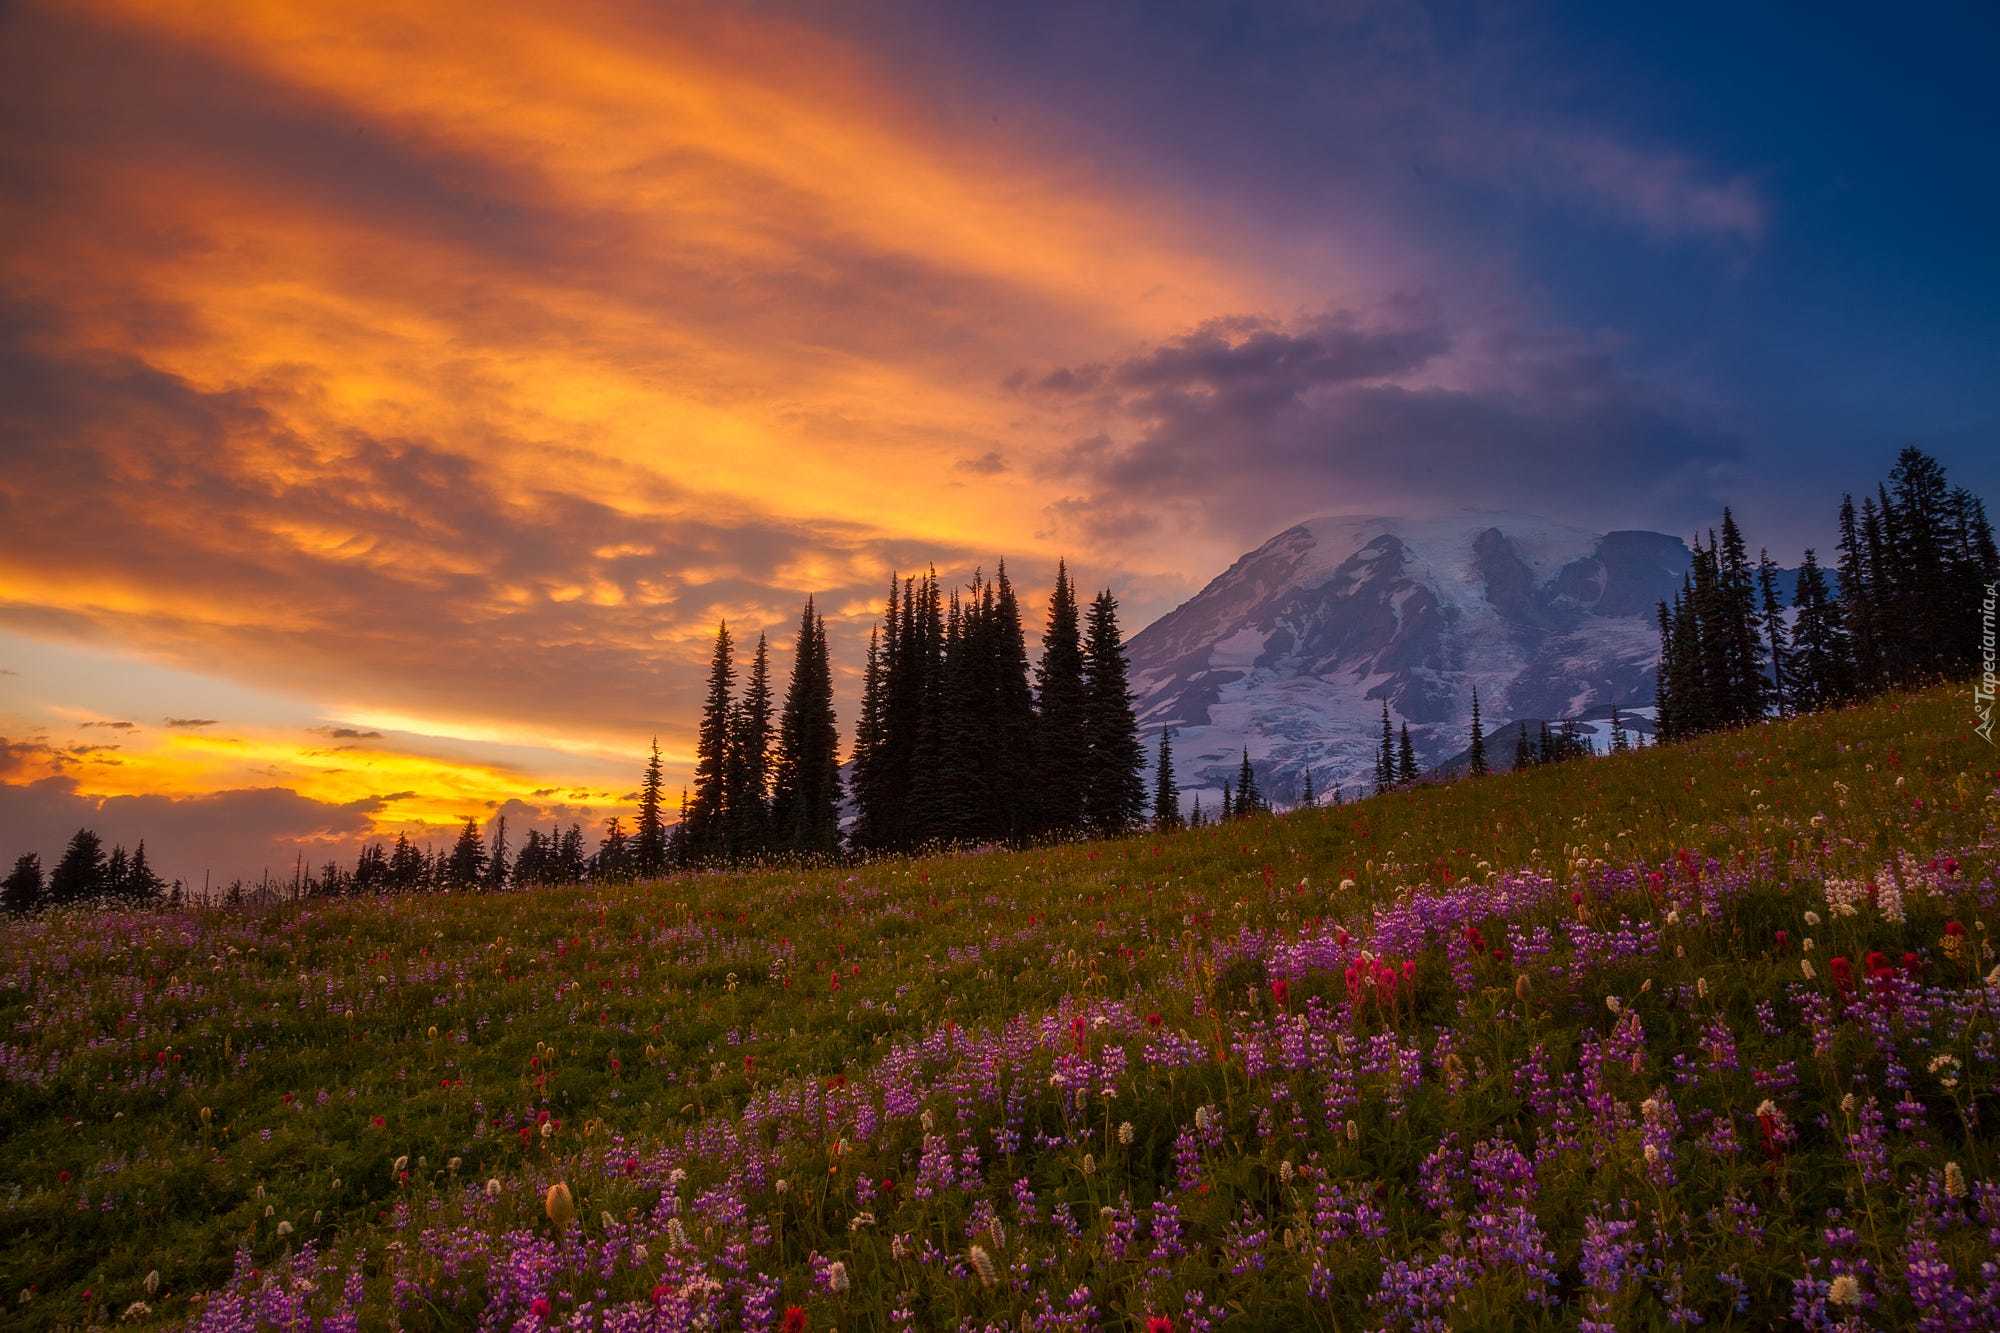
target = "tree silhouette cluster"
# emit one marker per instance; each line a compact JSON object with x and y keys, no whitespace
{"x":1914,"y":561}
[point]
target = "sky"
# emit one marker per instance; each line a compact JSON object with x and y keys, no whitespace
{"x":394,"y":397}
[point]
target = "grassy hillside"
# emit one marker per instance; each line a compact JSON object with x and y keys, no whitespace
{"x":1701,"y":1031}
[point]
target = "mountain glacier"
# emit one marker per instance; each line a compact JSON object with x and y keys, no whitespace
{"x":1293,"y":649}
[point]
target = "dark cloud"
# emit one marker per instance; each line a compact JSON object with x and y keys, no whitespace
{"x":113,"y":726}
{"x":228,"y":833}
{"x":987,"y":464}
{"x":191,"y":722}
{"x":1244,"y":425}
{"x":348,"y":734}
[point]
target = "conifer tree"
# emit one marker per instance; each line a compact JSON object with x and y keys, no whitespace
{"x":1166,"y":793}
{"x":1195,"y":817}
{"x":707,"y":815}
{"x":1522,"y":756}
{"x":1739,"y":639}
{"x":467,"y":866}
{"x":571,"y":863}
{"x":613,"y":861}
{"x":1114,"y":792}
{"x":1620,"y":742}
{"x":747,"y":797}
{"x":23,"y":890}
{"x":1774,"y":627}
{"x":1306,"y":798}
{"x":1823,"y":666}
{"x":1062,"y":725}
{"x":866,"y":775}
{"x":79,"y":876}
{"x":1385,"y":757}
{"x":116,"y":876}
{"x":1228,"y":805}
{"x":1011,"y":760}
{"x":805,"y":800}
{"x":1406,"y":759}
{"x":141,"y":884}
{"x":496,"y":857}
{"x":406,"y":866}
{"x":649,"y":843}
{"x":1249,"y":800}
{"x":1477,"y":756}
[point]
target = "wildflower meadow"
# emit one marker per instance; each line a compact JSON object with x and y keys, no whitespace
{"x":1702,"y":1035}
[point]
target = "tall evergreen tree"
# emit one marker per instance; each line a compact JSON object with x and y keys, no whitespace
{"x":1739,"y":639}
{"x":1406,"y":759}
{"x":1523,"y":757}
{"x":1307,"y":800}
{"x":1011,"y":761}
{"x":1822,"y":663}
{"x":649,"y":843}
{"x":708,"y":834}
{"x":79,"y":876}
{"x":747,"y":793}
{"x":1228,"y":803}
{"x":1856,"y":597}
{"x":1114,"y":791}
{"x":1775,"y":638}
{"x":23,"y":890}
{"x":805,"y":800}
{"x":1166,"y":793}
{"x":1249,"y":800}
{"x":1620,"y":742}
{"x":1477,"y":755}
{"x":866,"y":773}
{"x":1062,"y":724}
{"x":1385,"y":757}
{"x":117,"y":882}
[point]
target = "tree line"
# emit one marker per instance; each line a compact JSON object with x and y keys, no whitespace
{"x":959,"y":741}
{"x":1913,"y":562}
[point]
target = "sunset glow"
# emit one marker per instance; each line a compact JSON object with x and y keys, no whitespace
{"x":397,"y":396}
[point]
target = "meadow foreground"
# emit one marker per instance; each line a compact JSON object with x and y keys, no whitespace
{"x":1703,"y":1034}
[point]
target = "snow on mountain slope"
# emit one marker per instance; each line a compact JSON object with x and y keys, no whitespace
{"x":1293,"y":649}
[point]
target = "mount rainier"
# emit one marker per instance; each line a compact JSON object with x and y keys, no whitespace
{"x":1293,"y":648}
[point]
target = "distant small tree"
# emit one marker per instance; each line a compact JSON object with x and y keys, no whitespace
{"x":1166,"y":793}
{"x":1620,"y":742}
{"x":142,"y":885}
{"x":649,"y":849}
{"x":1385,"y":757}
{"x":1406,"y":759}
{"x":613,"y":862}
{"x":1228,"y":804}
{"x":1477,"y":756}
{"x":1523,"y":756}
{"x":496,"y":859}
{"x":467,"y":864}
{"x":1306,"y":798}
{"x":1249,"y":800}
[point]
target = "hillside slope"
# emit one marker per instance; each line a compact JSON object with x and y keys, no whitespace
{"x":1569,"y":1043}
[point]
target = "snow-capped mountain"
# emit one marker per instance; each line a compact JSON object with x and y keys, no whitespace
{"x":1292,"y":650}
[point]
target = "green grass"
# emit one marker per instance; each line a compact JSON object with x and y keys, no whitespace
{"x":175,"y":1087}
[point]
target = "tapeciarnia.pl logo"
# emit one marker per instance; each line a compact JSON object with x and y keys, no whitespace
{"x":1982,"y":693}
